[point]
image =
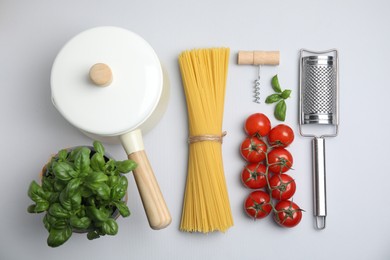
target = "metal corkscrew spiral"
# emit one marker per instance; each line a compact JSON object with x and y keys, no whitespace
{"x":258,"y":58}
{"x":257,"y":88}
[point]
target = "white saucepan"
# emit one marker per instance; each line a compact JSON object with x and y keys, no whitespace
{"x":108,"y":82}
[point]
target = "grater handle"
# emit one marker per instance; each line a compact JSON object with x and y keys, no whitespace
{"x":319,"y":181}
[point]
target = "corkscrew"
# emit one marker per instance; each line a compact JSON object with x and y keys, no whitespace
{"x":258,"y":58}
{"x":257,"y":87}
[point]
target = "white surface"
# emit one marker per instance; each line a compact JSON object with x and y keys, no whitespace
{"x":131,"y":97}
{"x":32,"y":33}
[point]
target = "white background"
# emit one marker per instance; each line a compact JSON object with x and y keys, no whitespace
{"x":32,"y":33}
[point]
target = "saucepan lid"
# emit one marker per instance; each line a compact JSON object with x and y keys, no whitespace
{"x":106,"y":81}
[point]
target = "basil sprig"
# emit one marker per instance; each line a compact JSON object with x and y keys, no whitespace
{"x":80,"y":190}
{"x":278,"y":97}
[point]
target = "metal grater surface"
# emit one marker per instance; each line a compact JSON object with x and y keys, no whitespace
{"x":319,"y":90}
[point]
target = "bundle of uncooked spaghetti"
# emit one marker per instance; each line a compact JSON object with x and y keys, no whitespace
{"x":206,"y":204}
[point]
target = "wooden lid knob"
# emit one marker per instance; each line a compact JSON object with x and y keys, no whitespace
{"x":259,"y":57}
{"x":100,"y":74}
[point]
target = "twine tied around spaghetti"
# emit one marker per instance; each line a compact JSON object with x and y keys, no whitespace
{"x":202,"y":138}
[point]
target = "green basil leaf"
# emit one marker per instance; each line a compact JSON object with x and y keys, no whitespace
{"x":119,"y":190}
{"x":62,"y":155}
{"x":56,"y":223}
{"x":79,"y":223}
{"x":73,"y":187}
{"x":92,"y":235}
{"x":110,"y":167}
{"x":84,"y":174}
{"x":117,"y":193}
{"x":113,"y":180}
{"x":94,"y":179}
{"x":123,"y":182}
{"x":46,"y":222}
{"x":98,"y":147}
{"x":60,"y":224}
{"x":73,"y":153}
{"x":126,"y":166}
{"x":52,"y":196}
{"x":38,"y":208}
{"x":41,"y":206}
{"x":275,"y":84}
{"x":74,"y":174}
{"x":58,"y":236}
{"x":56,"y":210}
{"x":47,"y":184}
{"x":50,"y":219}
{"x":103,"y":191}
{"x":110,"y":227}
{"x":65,"y":200}
{"x":273,"y":98}
{"x":31,"y":209}
{"x":82,"y":160}
{"x":123,"y":209}
{"x":33,"y":188}
{"x":62,"y":171}
{"x":286,"y":93}
{"x":59,"y":185}
{"x":41,"y":197}
{"x":97,"y":214}
{"x":280,"y":110}
{"x":36,"y":193}
{"x":97,"y":162}
{"x":75,"y":201}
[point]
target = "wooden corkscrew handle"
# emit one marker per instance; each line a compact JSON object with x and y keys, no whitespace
{"x":259,"y":58}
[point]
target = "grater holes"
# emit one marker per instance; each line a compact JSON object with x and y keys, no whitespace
{"x":319,"y":93}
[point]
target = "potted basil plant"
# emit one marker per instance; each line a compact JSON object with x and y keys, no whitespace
{"x":82,"y":190}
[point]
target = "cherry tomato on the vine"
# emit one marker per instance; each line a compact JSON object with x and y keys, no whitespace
{"x":288,"y":214}
{"x":281,"y":135}
{"x":257,"y":205}
{"x":279,"y":160}
{"x":257,"y":124}
{"x":253,"y":176}
{"x":282,"y":186}
{"x":253,"y":150}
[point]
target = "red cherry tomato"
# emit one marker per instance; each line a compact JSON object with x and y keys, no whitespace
{"x":253,"y":150}
{"x":257,"y":205}
{"x":282,"y":186}
{"x":257,"y":124}
{"x":279,"y":160}
{"x":253,"y":176}
{"x":288,"y":214}
{"x":281,"y":135}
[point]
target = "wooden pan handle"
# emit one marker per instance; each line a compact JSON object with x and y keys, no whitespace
{"x":154,"y":204}
{"x":259,"y":57}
